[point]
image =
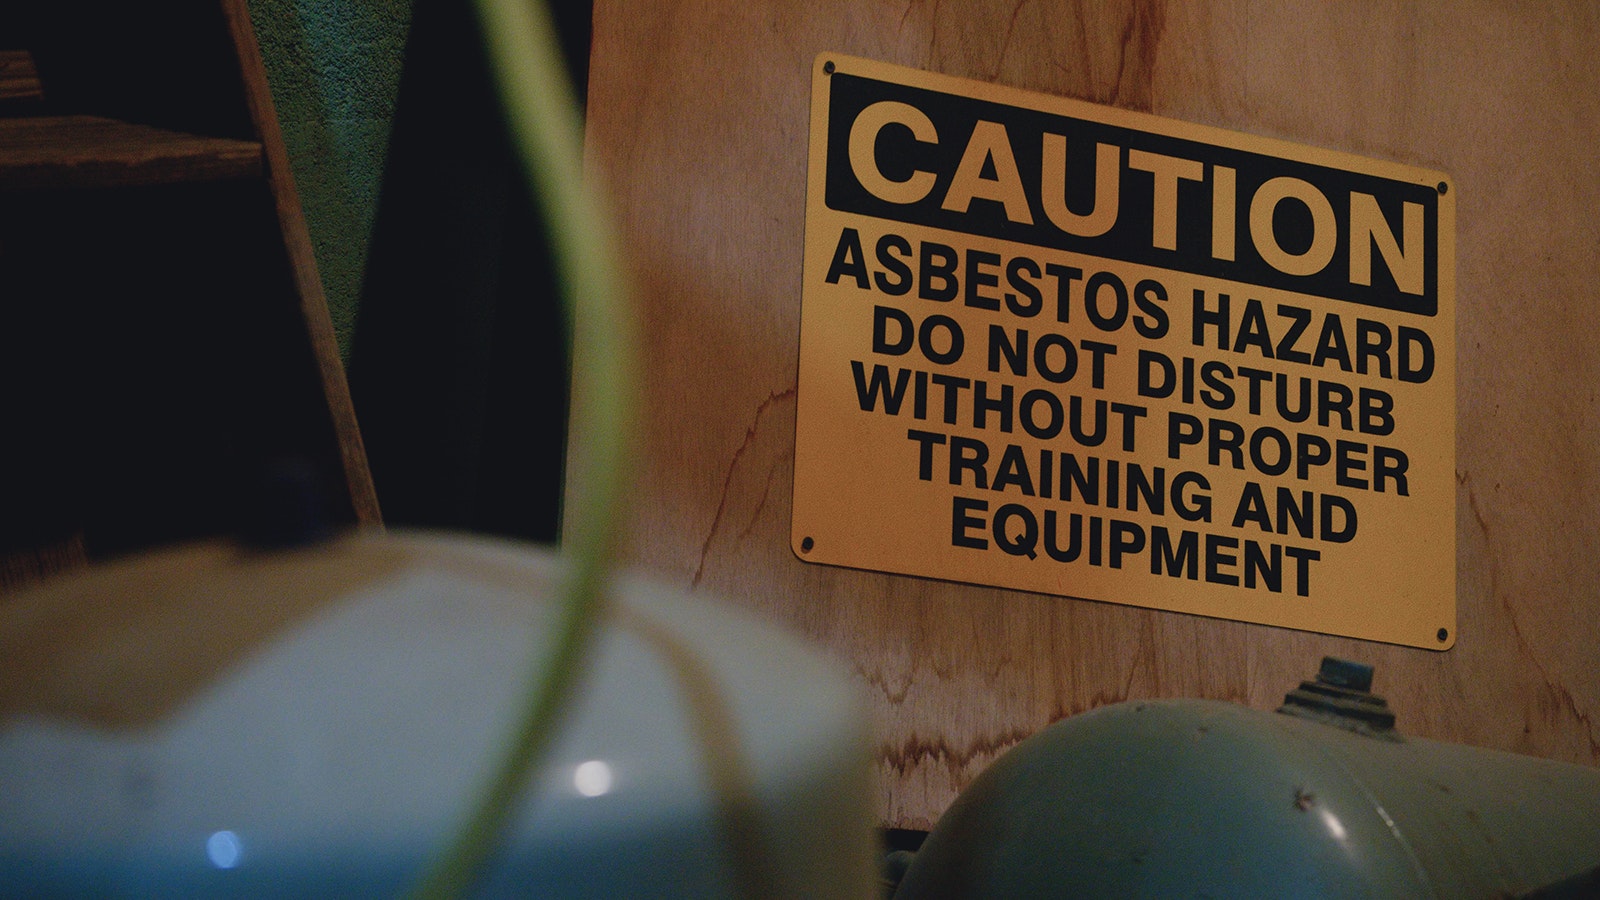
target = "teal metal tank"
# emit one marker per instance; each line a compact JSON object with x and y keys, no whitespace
{"x":1192,"y":798}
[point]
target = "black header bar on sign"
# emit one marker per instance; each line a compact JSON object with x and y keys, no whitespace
{"x":1019,"y":174}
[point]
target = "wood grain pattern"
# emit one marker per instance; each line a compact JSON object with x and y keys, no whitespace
{"x":47,"y":152}
{"x":22,"y":567}
{"x":19,"y":77}
{"x":698,"y":124}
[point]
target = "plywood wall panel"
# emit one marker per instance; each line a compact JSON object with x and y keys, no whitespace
{"x":698,"y":124}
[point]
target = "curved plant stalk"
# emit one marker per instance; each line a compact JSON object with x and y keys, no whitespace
{"x":545,"y":127}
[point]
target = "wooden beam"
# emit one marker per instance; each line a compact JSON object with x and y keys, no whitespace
{"x":92,"y":151}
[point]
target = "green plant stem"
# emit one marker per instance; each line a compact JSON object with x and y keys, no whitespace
{"x":546,"y":131}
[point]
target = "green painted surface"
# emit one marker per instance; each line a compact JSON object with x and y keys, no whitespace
{"x":334,"y":67}
{"x":1200,"y":798}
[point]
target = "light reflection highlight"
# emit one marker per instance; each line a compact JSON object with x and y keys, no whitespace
{"x":1335,"y":827}
{"x":592,"y":778}
{"x":224,"y":849}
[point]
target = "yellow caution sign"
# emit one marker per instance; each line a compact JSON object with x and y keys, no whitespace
{"x":1063,"y":348}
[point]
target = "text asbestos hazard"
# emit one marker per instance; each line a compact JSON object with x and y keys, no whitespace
{"x":1075,"y":350}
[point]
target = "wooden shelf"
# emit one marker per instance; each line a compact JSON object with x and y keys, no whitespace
{"x":48,"y":152}
{"x":166,"y":351}
{"x":19,"y":77}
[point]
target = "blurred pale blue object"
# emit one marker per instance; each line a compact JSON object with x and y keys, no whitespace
{"x":212,"y":722}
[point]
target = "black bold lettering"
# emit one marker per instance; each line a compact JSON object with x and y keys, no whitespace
{"x":1214,"y":318}
{"x":1349,"y":458}
{"x":1253,"y":330}
{"x":1338,"y":519}
{"x":1299,"y":317}
{"x":849,"y":260}
{"x":1024,"y":542}
{"x":983,"y":404}
{"x":1331,"y":344}
{"x":925,"y":441}
{"x":1052,"y":546}
{"x":868,"y":391}
{"x":1377,"y":412}
{"x":1303,"y":559}
{"x":1417,"y":368}
{"x":1152,"y":322}
{"x":1389,"y":464}
{"x":1181,"y":559}
{"x":969,"y":455}
{"x":1217,"y":560}
{"x":1287,"y":412}
{"x":1183,"y":430}
{"x":905,"y":334}
{"x":1301,"y":513}
{"x":1091,"y":301}
{"x":1014,"y":353}
{"x":1028,"y":300}
{"x":1270,"y":462}
{"x":961,"y":523}
{"x":894,"y":265}
{"x":1218,"y":393}
{"x":1013,"y":471}
{"x":1225,"y":437}
{"x":1268,"y":567}
{"x":1191,"y":506}
{"x":1126,"y":537}
{"x":1049,"y":371}
{"x":1372,"y":342}
{"x":1157,"y":376}
{"x":1028,"y":410}
{"x":1097,"y":360}
{"x":1334,"y":399}
{"x":937,"y":269}
{"x":925,"y":336}
{"x":1252,"y":508}
{"x":1064,"y":276}
{"x":978,"y":277}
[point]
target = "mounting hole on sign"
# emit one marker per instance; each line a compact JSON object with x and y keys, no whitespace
{"x":806,"y":544}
